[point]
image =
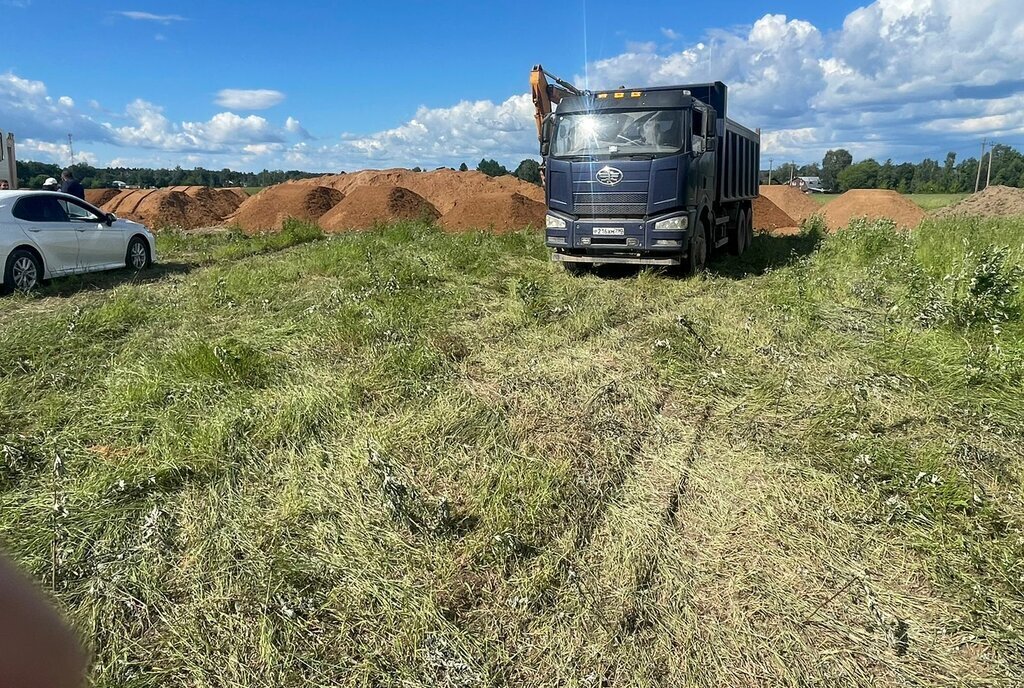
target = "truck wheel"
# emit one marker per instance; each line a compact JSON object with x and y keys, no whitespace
{"x":697,"y":255}
{"x":750,"y":227}
{"x":738,"y":236}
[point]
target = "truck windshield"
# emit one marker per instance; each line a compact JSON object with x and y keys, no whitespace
{"x":618,"y":133}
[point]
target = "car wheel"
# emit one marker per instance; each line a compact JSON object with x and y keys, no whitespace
{"x":138,"y":254}
{"x":24,"y":271}
{"x":697,"y":256}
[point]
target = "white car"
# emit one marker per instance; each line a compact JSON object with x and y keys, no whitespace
{"x":46,"y":234}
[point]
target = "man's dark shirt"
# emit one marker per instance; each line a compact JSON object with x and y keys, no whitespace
{"x":73,"y":187}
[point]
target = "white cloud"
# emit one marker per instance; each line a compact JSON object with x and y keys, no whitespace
{"x":150,"y":128}
{"x":293,"y":126}
{"x":66,"y":102}
{"x":55,"y":153}
{"x":149,"y":16}
{"x":670,"y":34}
{"x":255,"y":99}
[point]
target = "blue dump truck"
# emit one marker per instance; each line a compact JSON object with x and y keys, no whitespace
{"x":647,"y":176}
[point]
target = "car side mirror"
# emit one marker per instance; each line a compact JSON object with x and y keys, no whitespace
{"x":110,"y":219}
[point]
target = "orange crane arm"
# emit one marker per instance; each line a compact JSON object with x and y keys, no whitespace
{"x":546,"y":95}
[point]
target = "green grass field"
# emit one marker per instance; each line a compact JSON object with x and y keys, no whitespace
{"x":926,"y":201}
{"x":403,"y":458}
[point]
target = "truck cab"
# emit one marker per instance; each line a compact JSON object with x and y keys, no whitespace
{"x":654,"y":176}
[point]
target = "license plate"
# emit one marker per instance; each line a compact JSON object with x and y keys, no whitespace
{"x":609,"y":231}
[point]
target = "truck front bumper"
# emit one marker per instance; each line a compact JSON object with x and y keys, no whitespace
{"x":602,"y":239}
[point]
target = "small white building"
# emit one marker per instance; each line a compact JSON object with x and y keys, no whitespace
{"x":118,"y":185}
{"x":808,"y":184}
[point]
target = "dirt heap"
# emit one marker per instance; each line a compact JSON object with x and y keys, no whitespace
{"x":769,"y":217}
{"x":442,"y":188}
{"x":366,"y":206}
{"x":181,"y":207}
{"x":995,"y":201}
{"x":872,"y":204}
{"x":268,"y":209}
{"x":497,"y":211}
{"x":791,"y":201}
{"x":100,"y":196}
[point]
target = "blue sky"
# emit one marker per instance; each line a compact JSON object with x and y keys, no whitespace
{"x":343,"y":85}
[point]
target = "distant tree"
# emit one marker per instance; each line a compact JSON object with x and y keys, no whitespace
{"x":529,"y":171}
{"x":784,"y":173}
{"x":491,"y":168}
{"x":863,"y":175}
{"x":417,"y":169}
{"x":812,"y":170}
{"x":463,"y":167}
{"x":835,"y":161}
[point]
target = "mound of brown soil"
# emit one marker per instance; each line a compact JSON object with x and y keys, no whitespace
{"x":791,"y":201}
{"x":219,"y":202}
{"x":995,"y":201}
{"x":443,"y":188}
{"x":366,"y":206}
{"x":100,"y":196}
{"x":499,"y":212}
{"x":182,"y":207}
{"x":268,"y":209}
{"x":873,"y":204}
{"x":769,"y":217}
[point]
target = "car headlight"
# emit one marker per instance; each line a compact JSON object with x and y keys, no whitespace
{"x":552,"y":222}
{"x":681,"y":222}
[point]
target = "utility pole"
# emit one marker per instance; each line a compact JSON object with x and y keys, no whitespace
{"x":988,"y":177}
{"x":771,"y":169}
{"x":792,"y":171}
{"x":71,"y":150}
{"x":977,"y":180}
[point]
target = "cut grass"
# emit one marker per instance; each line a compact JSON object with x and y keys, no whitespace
{"x":408,"y":458}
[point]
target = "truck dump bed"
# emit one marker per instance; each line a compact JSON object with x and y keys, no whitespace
{"x":739,"y":163}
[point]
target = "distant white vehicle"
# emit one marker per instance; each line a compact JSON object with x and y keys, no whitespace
{"x":46,"y":234}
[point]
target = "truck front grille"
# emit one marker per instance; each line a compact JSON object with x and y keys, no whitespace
{"x":610,"y":204}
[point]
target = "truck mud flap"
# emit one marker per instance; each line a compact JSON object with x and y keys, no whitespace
{"x":622,"y":260}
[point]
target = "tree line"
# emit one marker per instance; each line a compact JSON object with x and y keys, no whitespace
{"x":31,"y":175}
{"x":839,"y":173}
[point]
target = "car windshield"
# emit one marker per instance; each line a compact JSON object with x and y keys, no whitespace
{"x":618,"y":133}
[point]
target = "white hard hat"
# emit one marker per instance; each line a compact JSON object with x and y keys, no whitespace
{"x":51,"y":182}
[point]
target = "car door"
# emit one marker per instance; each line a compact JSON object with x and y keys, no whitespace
{"x":100,"y":247}
{"x":46,"y":224}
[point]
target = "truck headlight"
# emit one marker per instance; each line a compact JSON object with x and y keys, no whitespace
{"x":552,"y":222}
{"x":681,"y":222}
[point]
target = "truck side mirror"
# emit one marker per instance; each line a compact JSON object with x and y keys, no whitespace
{"x":711,"y":142}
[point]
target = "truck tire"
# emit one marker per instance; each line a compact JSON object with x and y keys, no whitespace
{"x":738,"y":235}
{"x":750,"y":226}
{"x":697,"y":254}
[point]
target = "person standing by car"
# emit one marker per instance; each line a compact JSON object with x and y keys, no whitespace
{"x":51,"y":185}
{"x":72,"y":186}
{"x":5,"y":185}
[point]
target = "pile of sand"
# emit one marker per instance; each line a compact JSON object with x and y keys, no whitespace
{"x":791,"y":201}
{"x":873,"y":204}
{"x":182,"y":207}
{"x":100,"y":196}
{"x":497,"y":211}
{"x":442,"y":188}
{"x":769,"y":217}
{"x":365,"y":206}
{"x":268,"y":209}
{"x":995,"y":201}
